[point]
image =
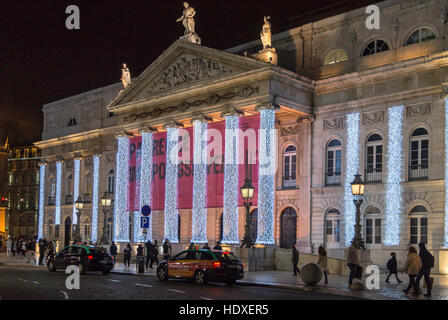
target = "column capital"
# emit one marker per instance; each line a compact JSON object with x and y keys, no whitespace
{"x":308,"y":118}
{"x":231,"y":111}
{"x":122,"y":133}
{"x":172,"y":124}
{"x":43,"y":163}
{"x":200,"y":117}
{"x":270,"y":105}
{"x":444,"y":94}
{"x":147,"y":129}
{"x":77,"y":156}
{"x":59,"y":159}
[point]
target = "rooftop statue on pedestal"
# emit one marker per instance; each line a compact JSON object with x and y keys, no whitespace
{"x":187,"y":19}
{"x":266,"y":35}
{"x":125,"y":76}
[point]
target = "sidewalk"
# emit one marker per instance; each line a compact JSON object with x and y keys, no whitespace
{"x":284,"y":280}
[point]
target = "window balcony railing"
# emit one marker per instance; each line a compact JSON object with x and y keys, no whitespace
{"x":289,"y":182}
{"x":373,"y":175}
{"x":333,"y":179}
{"x":51,"y":201}
{"x":87,"y":198}
{"x":418,"y":172}
{"x":69,"y":199}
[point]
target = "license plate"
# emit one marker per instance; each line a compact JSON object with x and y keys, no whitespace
{"x":104,"y":261}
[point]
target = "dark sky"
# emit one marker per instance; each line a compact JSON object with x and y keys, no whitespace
{"x":41,"y":61}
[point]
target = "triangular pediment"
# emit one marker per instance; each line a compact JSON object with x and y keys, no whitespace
{"x":182,"y":66}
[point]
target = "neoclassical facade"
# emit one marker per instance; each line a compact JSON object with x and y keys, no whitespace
{"x":344,"y":99}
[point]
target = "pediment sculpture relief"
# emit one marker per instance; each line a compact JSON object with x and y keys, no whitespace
{"x":188,"y":69}
{"x":418,"y":110}
{"x":336,"y":123}
{"x":373,"y":117}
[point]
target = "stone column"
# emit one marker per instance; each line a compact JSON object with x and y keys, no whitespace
{"x":42,"y":171}
{"x":58,"y":200}
{"x":95,"y":197}
{"x":77,"y":173}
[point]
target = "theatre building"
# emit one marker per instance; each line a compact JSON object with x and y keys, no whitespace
{"x":328,"y":100}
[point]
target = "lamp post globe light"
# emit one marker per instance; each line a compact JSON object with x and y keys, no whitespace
{"x":247,"y":192}
{"x":106,"y":201}
{"x":78,"y":206}
{"x":358,"y":192}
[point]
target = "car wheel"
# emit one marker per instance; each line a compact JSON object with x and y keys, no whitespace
{"x":199,"y":278}
{"x":105,"y":272}
{"x":230,"y":282}
{"x":51,"y":267}
{"x":162,"y":274}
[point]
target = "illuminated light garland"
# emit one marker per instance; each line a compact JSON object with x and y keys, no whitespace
{"x":171,"y":213}
{"x":42,"y":168}
{"x":96,"y":170}
{"x":121,"y":217}
{"x":77,"y":166}
{"x":394,"y":167}
{"x":352,"y":161}
{"x":231,"y":180}
{"x":145,"y":186}
{"x":199,"y":219}
{"x":265,"y":234}
{"x":57,"y":213}
{"x":445,"y":228}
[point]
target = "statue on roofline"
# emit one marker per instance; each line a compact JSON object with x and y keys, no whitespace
{"x":188,"y":19}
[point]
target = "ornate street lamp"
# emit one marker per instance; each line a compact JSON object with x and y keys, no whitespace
{"x":106,"y":202}
{"x":247,"y":192}
{"x":78,"y":206}
{"x":358,"y":192}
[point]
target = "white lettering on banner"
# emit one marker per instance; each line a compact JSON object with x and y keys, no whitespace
{"x":73,"y":281}
{"x":73,"y":21}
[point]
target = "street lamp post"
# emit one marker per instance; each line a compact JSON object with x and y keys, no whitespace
{"x":247,"y":192}
{"x":78,"y":206}
{"x":106,"y":201}
{"x":358,"y":192}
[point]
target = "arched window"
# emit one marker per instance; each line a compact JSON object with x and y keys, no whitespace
{"x":87,"y":229}
{"x":334,"y":156}
{"x":289,"y":167}
{"x":109,"y":229}
{"x":288,"y":228}
{"x":375,"y":46}
{"x":418,"y":225}
{"x":374,"y":158}
{"x":419,"y":155}
{"x":373,"y":225}
{"x":333,"y":226}
{"x":335,"y":56}
{"x":420,"y":35}
{"x":254,"y":225}
{"x":69,"y":185}
{"x":111,"y":181}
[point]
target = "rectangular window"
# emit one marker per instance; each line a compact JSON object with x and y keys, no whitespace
{"x":369,"y":231}
{"x":337,"y":230}
{"x":424,"y":230}
{"x":337,"y":168}
{"x":414,"y":230}
{"x":329,"y":231}
{"x":378,"y":231}
{"x":330,"y":163}
{"x":293,"y":168}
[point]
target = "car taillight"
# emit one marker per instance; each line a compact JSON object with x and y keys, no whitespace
{"x":242,"y":265}
{"x":112,"y":258}
{"x":216,"y":264}
{"x":90,"y":257}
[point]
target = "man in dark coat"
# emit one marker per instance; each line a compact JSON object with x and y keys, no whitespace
{"x":295,"y":260}
{"x":427,"y":263}
{"x":113,"y":251}
{"x":148,"y":246}
{"x":41,"y":252}
{"x":217,"y":246}
{"x":392,"y":267}
{"x":154,"y":254}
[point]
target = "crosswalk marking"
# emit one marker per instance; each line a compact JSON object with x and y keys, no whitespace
{"x":177,"y":291}
{"x":143,"y":285}
{"x":205,"y":298}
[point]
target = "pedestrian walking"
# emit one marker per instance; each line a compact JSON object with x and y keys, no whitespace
{"x":41,"y":252}
{"x":392,"y":267}
{"x":295,"y":260}
{"x":148,"y":246}
{"x":154,"y":254}
{"x":24,"y":243}
{"x":127,"y":255}
{"x":322,"y":262}
{"x":217,"y":246}
{"x":412,"y":267}
{"x":140,"y":257}
{"x":8,"y":247}
{"x":113,"y":251}
{"x":166,"y":249}
{"x":14,"y":247}
{"x":427,"y":263}
{"x":19,"y":248}
{"x":206,"y":246}
{"x":353,"y":263}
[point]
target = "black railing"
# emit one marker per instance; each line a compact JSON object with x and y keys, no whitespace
{"x":418,"y":172}
{"x":69,"y":199}
{"x":333,"y":179}
{"x":51,"y":201}
{"x":289,"y":182}
{"x":373,"y":175}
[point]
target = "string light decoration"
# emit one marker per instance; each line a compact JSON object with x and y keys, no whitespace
{"x":231,"y":180}
{"x":171,"y":213}
{"x":145,"y":186}
{"x":77,"y":165}
{"x":265,"y":234}
{"x":57,"y":213}
{"x":96,"y":171}
{"x":199,"y":225}
{"x":445,"y":228}
{"x":42,"y":168}
{"x":394,"y":167}
{"x":352,"y":161}
{"x":121,"y":217}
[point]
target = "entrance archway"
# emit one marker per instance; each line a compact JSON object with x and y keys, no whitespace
{"x":68,"y":231}
{"x":288,"y":231}
{"x":254,"y":225}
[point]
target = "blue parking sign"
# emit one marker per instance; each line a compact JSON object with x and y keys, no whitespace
{"x":144,"y":222}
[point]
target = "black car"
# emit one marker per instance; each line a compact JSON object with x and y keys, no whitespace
{"x":87,"y":258}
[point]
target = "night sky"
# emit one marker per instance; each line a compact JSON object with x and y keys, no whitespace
{"x":41,"y":61}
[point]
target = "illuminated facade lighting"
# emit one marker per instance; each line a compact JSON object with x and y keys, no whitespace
{"x":77,"y":165}
{"x":171,"y":212}
{"x":121,"y":217}
{"x":352,"y":161}
{"x":199,"y":211}
{"x":42,"y":168}
{"x":57,"y":213}
{"x":95,"y":198}
{"x":445,"y":228}
{"x":265,"y":234}
{"x":394,"y":165}
{"x":231,"y":181}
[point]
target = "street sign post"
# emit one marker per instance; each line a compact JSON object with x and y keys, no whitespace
{"x":146,"y":210}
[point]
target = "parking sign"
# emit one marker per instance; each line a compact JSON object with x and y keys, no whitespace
{"x":144,"y":222}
